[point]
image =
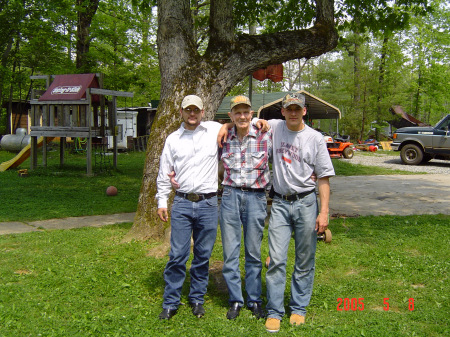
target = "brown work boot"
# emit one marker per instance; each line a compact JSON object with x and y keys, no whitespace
{"x":297,"y":319}
{"x":273,"y":324}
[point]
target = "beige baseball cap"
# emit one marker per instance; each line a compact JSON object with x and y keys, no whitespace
{"x":239,"y":100}
{"x":192,"y":100}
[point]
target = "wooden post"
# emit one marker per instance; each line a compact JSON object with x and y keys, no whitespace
{"x":45,"y":110}
{"x":62,"y":148}
{"x":115,"y":129}
{"x":89,"y":142}
{"x":33,"y":140}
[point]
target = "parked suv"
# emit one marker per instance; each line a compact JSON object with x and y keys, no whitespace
{"x":421,"y":144}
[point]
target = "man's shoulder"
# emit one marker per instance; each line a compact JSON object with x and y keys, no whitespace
{"x":210,"y":124}
{"x":276,"y":122}
{"x":312,"y":132}
{"x":262,"y":135}
{"x":175,"y":135}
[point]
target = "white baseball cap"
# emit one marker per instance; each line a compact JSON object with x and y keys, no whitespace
{"x":192,"y":100}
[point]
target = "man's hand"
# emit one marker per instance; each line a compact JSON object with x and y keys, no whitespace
{"x":162,"y":213}
{"x":174,"y":183}
{"x":313,"y":177}
{"x":223,"y":133}
{"x":324,"y":195}
{"x":263,"y":125}
{"x":321,"y":222}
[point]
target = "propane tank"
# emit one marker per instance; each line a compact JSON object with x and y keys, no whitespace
{"x":17,"y":142}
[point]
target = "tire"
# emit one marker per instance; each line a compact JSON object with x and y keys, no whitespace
{"x":411,"y":154}
{"x":348,"y":153}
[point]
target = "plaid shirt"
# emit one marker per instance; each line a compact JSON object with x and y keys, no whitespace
{"x":246,"y":163}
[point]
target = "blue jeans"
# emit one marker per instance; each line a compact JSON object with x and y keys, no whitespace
{"x":248,"y":208}
{"x":198,"y":219}
{"x":286,"y":217}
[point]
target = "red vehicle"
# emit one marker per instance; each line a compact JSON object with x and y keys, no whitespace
{"x":338,"y":147}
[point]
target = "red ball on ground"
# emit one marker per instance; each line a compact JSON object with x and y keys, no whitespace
{"x":111,"y":191}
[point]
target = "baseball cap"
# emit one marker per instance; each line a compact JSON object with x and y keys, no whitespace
{"x":239,"y":100}
{"x":294,"y":98}
{"x":192,"y":100}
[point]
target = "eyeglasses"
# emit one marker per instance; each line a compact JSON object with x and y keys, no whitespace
{"x":189,"y":110}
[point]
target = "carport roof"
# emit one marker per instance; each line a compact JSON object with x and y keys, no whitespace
{"x":268,"y":106}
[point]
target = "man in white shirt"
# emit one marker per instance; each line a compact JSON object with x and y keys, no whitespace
{"x":192,"y":153}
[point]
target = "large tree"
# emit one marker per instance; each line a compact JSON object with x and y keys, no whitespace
{"x":86,"y":10}
{"x":229,"y":57}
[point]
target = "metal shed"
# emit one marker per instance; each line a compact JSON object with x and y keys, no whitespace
{"x":268,"y":106}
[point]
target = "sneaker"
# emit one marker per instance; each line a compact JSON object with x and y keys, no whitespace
{"x":297,"y":319}
{"x":273,"y":324}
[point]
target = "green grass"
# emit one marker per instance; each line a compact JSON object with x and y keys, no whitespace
{"x":85,"y":282}
{"x":58,"y":192}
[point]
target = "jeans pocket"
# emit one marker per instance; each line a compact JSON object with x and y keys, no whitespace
{"x":309,"y":200}
{"x":261,"y":196}
{"x":212,"y":202}
{"x":177,"y":200}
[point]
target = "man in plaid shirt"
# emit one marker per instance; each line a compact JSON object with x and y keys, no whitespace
{"x":245,"y":157}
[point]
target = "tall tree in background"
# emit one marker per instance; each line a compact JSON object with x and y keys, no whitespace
{"x":429,"y":45}
{"x":31,"y":40}
{"x":228,"y":58}
{"x":86,"y":10}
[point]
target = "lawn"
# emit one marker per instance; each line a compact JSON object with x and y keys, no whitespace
{"x":87,"y":282}
{"x":58,"y":192}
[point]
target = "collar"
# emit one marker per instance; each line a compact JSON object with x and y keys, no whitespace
{"x":182,"y":129}
{"x":251,"y":133}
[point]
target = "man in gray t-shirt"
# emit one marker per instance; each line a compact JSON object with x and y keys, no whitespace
{"x":298,"y":151}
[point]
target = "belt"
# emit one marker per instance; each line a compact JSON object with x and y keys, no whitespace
{"x":196,"y":197}
{"x":293,"y":197}
{"x":248,"y":189}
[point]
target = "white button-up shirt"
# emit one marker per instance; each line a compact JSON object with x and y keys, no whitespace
{"x":193,"y":155}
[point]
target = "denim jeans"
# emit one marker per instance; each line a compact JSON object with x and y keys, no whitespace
{"x":199,"y":220}
{"x":249,"y":209}
{"x":286,"y":217}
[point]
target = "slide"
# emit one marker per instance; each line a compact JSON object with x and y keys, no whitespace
{"x":22,"y":156}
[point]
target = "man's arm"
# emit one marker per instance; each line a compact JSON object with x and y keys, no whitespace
{"x":223,"y":132}
{"x":163,"y":183}
{"x":324,"y":195}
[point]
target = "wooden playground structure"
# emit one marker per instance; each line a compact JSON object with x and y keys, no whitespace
{"x":73,"y":106}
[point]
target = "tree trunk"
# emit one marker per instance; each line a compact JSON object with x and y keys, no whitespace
{"x":382,"y":69}
{"x":228,"y":59}
{"x":86,"y":11}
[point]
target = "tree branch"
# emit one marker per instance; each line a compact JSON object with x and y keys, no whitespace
{"x":221,"y":24}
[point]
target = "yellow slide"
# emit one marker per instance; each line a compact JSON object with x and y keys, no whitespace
{"x":22,"y":156}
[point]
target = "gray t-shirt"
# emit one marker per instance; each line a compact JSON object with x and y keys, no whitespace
{"x":296,"y":155}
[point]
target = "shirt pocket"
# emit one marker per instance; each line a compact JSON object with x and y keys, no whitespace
{"x":229,"y":161}
{"x":259,"y":160}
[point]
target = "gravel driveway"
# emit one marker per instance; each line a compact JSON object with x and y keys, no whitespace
{"x":394,"y":162}
{"x":392,"y":194}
